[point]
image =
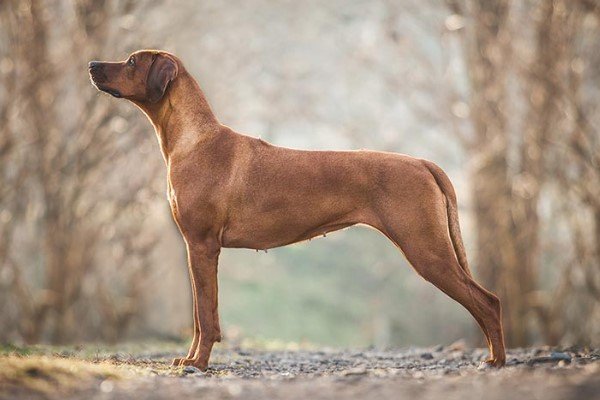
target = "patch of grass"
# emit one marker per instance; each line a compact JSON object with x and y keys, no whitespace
{"x":147,"y":349}
{"x":95,"y":352}
{"x":51,"y":375}
{"x":50,"y":370}
{"x":11,"y":349}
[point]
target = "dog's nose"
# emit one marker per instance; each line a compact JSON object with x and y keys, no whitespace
{"x":94,"y":64}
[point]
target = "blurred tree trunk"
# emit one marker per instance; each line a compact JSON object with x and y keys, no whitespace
{"x":11,"y":169}
{"x":578,"y":177}
{"x":593,"y":276}
{"x":60,"y":163}
{"x":488,"y":56}
{"x":71,"y":245}
{"x":544,"y":94}
{"x":584,"y":144}
{"x":555,"y":84}
{"x":38,"y":75}
{"x":508,"y":174}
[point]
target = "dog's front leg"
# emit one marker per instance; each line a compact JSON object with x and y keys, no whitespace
{"x":203,"y":258}
{"x":196,"y":338}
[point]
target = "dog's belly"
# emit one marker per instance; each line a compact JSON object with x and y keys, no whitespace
{"x":262,"y":234}
{"x":267,"y":237}
{"x":290,"y":223}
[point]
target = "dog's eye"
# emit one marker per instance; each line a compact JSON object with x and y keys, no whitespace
{"x":131,"y":61}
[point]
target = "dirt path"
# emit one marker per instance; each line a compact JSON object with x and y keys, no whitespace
{"x":437,"y":373}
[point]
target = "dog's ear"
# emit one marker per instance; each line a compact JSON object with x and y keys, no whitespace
{"x":162,"y":71}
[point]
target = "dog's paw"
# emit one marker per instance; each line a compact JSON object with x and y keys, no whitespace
{"x":194,"y":363}
{"x":176,"y":362}
{"x":491,"y":364}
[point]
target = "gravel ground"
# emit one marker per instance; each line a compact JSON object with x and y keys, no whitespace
{"x":434,"y":373}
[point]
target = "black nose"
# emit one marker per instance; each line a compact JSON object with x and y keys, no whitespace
{"x":94,"y":65}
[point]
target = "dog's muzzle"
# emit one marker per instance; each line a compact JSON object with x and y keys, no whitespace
{"x":96,"y":72}
{"x":98,"y":77}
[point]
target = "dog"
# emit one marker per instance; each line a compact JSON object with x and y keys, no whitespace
{"x":230,"y":190}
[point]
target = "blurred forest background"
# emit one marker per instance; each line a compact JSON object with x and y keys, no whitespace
{"x":504,"y":95}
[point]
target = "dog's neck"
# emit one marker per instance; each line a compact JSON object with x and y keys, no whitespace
{"x":183,"y":118}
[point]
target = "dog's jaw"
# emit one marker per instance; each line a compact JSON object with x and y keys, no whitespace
{"x":98,"y":85}
{"x":112,"y":92}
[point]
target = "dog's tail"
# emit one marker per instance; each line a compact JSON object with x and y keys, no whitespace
{"x":453,"y":226}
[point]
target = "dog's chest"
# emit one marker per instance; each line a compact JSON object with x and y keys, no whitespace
{"x":172,"y":199}
{"x":182,"y":205}
{"x":170,"y":194}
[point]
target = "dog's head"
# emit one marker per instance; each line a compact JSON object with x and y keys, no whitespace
{"x":143,"y":77}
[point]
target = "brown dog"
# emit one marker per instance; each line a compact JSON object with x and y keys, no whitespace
{"x":231,"y":190}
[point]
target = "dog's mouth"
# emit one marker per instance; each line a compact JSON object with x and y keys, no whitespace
{"x":112,"y":92}
{"x":102,"y":88}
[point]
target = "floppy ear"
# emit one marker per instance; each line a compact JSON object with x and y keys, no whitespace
{"x":162,"y":71}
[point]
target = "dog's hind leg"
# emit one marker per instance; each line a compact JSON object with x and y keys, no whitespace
{"x":421,"y":232}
